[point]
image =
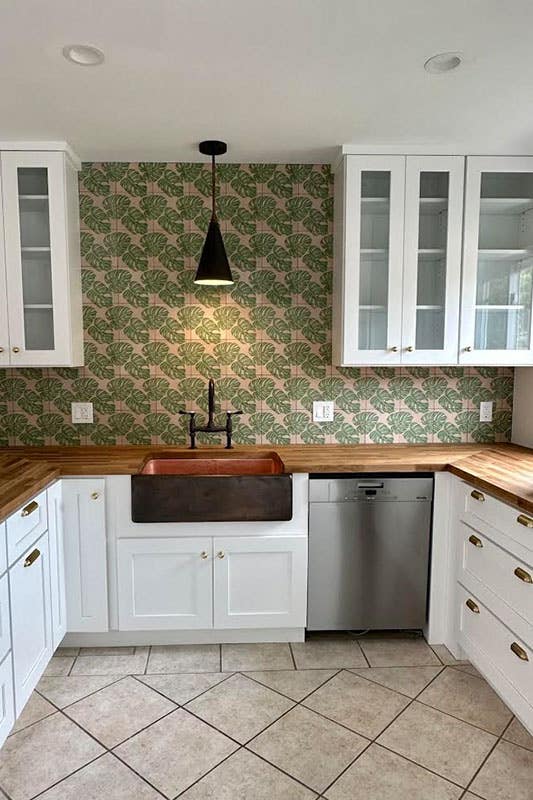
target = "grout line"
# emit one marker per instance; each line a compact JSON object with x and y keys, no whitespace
{"x":40,"y":794}
{"x":181,"y":705}
{"x":220,"y":657}
{"x":292,"y":655}
{"x":147,"y":659}
{"x":288,"y":697}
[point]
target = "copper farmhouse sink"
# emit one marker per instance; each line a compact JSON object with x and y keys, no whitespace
{"x":211,"y":488}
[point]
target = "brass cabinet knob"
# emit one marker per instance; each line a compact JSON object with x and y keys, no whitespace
{"x":1,"y":349}
{"x":468,"y":349}
{"x":394,"y":349}
{"x":475,"y":541}
{"x":95,"y":495}
{"x":16,"y":349}
{"x":527,"y":522}
{"x":519,"y":651}
{"x":29,"y":509}
{"x":410,"y":349}
{"x":204,"y":555}
{"x":477,"y":496}
{"x":472,"y":606}
{"x":523,"y":575}
{"x":33,"y":556}
{"x":221,"y":554}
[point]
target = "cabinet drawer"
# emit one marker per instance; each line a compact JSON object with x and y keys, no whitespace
{"x":7,"y":705}
{"x":5,"y":626}
{"x":481,"y":632}
{"x":507,"y":576}
{"x":514,"y":523}
{"x":3,"y":548}
{"x":25,"y":526}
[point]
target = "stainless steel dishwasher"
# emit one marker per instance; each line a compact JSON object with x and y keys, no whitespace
{"x":369,"y":544}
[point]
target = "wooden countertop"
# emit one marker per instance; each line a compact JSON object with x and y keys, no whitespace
{"x":505,"y":471}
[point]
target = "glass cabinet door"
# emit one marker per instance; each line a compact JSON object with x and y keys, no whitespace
{"x":372,"y":234}
{"x":498,"y":262}
{"x":432,"y":259}
{"x":34,"y":219}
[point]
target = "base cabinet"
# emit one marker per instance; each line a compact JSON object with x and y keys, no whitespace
{"x":165,"y":584}
{"x":57,"y":564}
{"x":260,"y":582}
{"x":7,"y":706}
{"x":29,"y":583}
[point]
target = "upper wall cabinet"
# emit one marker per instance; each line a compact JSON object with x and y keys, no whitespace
{"x":40,"y":286}
{"x":498,"y":262}
{"x":397,"y":259}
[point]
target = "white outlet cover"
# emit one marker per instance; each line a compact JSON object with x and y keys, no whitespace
{"x":485,"y":411}
{"x":323,"y":410}
{"x":82,"y":413}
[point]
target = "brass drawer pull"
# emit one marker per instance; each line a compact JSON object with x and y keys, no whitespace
{"x":477,"y":495}
{"x":29,"y":509}
{"x":33,"y":556}
{"x":220,"y":554}
{"x":475,"y":541}
{"x":519,"y":651}
{"x":527,"y":522}
{"x":95,"y":495}
{"x":204,"y":554}
{"x":523,"y":575}
{"x":472,"y":606}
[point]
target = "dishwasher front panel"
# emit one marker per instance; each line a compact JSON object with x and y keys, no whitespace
{"x":368,"y":564}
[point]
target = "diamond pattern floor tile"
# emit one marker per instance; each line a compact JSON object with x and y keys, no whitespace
{"x":406,"y":680}
{"x":175,"y":752}
{"x":240,"y":707}
{"x":117,"y":712}
{"x":517,"y":734}
{"x":35,"y":709}
{"x":507,"y":774}
{"x":381,"y":775}
{"x":309,"y":747}
{"x":107,"y":777}
{"x":295,"y":684}
{"x":64,"y":691}
{"x":112,"y":664}
{"x":59,"y":665}
{"x":184,"y":658}
{"x":361,"y":705}
{"x":396,"y":652}
{"x":39,"y":756}
{"x":328,"y":653}
{"x":248,"y":657}
{"x":184,"y":687}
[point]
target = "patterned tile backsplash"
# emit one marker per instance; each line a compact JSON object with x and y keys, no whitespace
{"x":153,"y":338}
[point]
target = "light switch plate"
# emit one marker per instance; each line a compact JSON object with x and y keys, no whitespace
{"x":323,"y":410}
{"x":485,"y":411}
{"x":82,"y":413}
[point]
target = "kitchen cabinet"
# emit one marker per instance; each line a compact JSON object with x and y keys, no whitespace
{"x":260,"y":581}
{"x":7,"y":704}
{"x":57,"y":564}
{"x":204,"y":582}
{"x":165,"y":584}
{"x":84,"y":531}
{"x":29,"y":585}
{"x":397,"y":259}
{"x":496,"y":314}
{"x":25,"y":526}
{"x":5,"y":625}
{"x":40,"y":281}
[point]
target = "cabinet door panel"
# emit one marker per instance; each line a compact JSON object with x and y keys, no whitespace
{"x":4,"y":326}
{"x":29,"y":584}
{"x":496,"y":314}
{"x":164,"y":584}
{"x":260,"y":582}
{"x":432,"y":259}
{"x":84,"y":531}
{"x":57,"y":563}
{"x":25,"y":526}
{"x":5,"y":626}
{"x":7,"y":703}
{"x":369,"y":221}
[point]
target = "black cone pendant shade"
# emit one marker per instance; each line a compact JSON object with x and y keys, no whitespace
{"x":214,"y":268}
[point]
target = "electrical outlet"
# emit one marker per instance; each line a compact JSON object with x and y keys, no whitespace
{"x":323,"y":410}
{"x":485,"y":411}
{"x":82,"y":413}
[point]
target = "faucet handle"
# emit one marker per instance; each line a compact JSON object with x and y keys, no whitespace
{"x":234,"y":413}
{"x":190,"y":413}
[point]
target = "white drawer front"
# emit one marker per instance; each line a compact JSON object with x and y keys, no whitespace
{"x":507,"y":576}
{"x":7,"y":705}
{"x":516,"y":524}
{"x":25,"y":526}
{"x":5,"y":625}
{"x":480,"y":630}
{"x":3,"y":548}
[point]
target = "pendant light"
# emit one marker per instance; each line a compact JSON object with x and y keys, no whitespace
{"x":213,"y":269}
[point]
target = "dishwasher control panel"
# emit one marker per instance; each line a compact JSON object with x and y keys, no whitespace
{"x":351,"y":489}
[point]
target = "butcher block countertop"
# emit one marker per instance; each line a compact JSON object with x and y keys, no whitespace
{"x":505,"y":470}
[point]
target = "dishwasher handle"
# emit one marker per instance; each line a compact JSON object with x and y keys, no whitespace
{"x":370,"y":485}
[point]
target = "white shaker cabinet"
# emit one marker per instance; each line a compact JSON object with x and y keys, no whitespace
{"x":41,"y":322}
{"x":260,"y":581}
{"x":4,"y":327}
{"x":165,"y":584}
{"x":57,"y":563}
{"x":85,"y":545}
{"x":398,"y":226}
{"x":29,"y":584}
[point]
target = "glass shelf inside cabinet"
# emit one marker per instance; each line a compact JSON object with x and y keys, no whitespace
{"x":34,"y":217}
{"x":374,"y":260}
{"x":505,"y":262}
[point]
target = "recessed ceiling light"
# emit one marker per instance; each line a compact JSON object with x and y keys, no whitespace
{"x":443,"y":62}
{"x":83,"y":54}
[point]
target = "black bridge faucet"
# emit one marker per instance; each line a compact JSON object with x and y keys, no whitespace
{"x":211,"y":427}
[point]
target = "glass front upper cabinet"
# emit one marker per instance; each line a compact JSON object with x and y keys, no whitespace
{"x":369,"y":212}
{"x":498,"y":262}
{"x":432,"y":259}
{"x":41,"y":233}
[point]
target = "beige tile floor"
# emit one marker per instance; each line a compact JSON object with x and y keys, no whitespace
{"x":337,"y":718}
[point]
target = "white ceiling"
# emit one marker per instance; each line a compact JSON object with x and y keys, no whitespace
{"x":280,"y":80}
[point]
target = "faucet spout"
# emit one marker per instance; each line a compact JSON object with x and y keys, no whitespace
{"x":211,"y":402}
{"x":211,"y":427}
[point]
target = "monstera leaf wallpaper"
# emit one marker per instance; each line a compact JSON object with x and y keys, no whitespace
{"x":153,"y":338}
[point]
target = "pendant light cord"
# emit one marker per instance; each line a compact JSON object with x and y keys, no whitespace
{"x":213,"y":187}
